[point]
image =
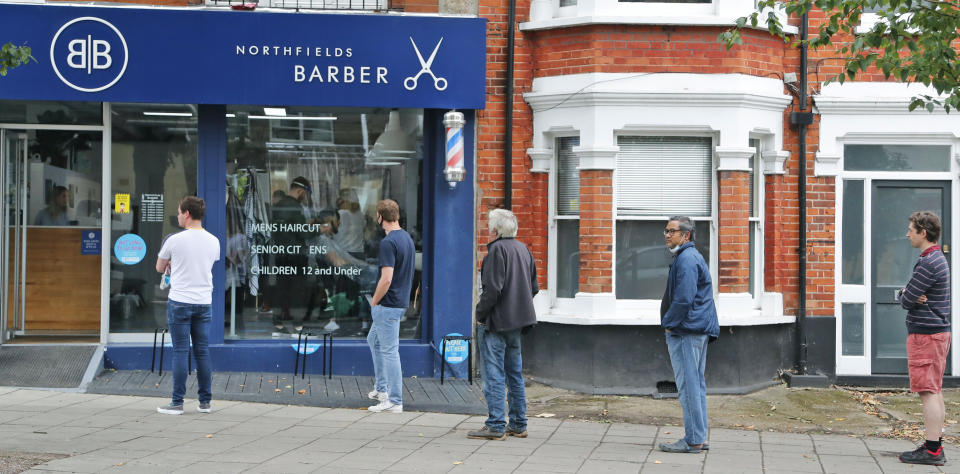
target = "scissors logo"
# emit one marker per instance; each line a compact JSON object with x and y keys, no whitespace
{"x":439,"y":83}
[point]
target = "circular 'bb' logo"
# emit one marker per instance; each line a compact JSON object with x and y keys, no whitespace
{"x":89,"y":54}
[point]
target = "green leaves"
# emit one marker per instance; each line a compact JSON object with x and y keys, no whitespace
{"x":906,"y":40}
{"x":12,"y":56}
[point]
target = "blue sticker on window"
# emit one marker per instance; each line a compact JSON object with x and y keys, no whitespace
{"x":130,"y":249}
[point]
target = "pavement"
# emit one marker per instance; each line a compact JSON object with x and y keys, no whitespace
{"x":117,"y":433}
{"x":334,"y":391}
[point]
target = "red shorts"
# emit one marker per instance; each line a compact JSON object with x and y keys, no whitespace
{"x":927,"y":359}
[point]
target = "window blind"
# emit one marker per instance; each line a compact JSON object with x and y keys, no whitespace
{"x":568,"y":177}
{"x":663,"y":176}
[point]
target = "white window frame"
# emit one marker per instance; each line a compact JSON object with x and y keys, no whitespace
{"x":757,"y":222}
{"x":553,"y":237}
{"x":861,"y":294}
{"x":650,"y":308}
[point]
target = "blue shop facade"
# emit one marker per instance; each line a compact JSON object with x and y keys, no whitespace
{"x":291,"y":126}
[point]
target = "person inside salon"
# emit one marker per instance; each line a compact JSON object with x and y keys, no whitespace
{"x":56,"y":211}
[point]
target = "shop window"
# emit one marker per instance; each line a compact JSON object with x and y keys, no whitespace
{"x":568,"y":218}
{"x":658,"y":177}
{"x":51,"y":113}
{"x":302,"y":235}
{"x":154,"y":165}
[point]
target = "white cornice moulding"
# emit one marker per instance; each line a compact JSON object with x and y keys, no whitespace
{"x":540,"y":159}
{"x":596,"y":158}
{"x":773,"y":161}
{"x":542,"y":101}
{"x":826,"y":165}
{"x":704,"y":20}
{"x":730,"y":158}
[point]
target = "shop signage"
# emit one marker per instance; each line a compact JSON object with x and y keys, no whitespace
{"x":89,"y":242}
{"x":456,"y":349}
{"x":254,"y":58}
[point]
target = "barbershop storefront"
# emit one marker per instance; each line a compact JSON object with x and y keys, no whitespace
{"x":291,"y":125}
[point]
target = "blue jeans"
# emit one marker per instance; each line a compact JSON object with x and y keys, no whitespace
{"x":503,"y":365}
{"x":190,"y":321}
{"x":384,"y":341}
{"x":688,"y":356}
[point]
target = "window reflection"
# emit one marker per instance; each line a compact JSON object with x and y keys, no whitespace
{"x":154,"y":166}
{"x":643,"y":260}
{"x":302,"y":233}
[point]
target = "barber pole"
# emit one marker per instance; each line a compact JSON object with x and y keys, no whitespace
{"x":454,"y":171}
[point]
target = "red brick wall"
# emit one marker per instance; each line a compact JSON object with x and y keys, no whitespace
{"x":668,"y":49}
{"x":596,"y":231}
{"x":530,"y":190}
{"x":645,"y":48}
{"x":733,"y":236}
{"x":409,"y":6}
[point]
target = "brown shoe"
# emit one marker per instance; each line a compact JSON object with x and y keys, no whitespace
{"x":515,"y":433}
{"x":485,"y":433}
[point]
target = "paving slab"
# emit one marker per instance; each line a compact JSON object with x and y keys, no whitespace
{"x":261,"y":437}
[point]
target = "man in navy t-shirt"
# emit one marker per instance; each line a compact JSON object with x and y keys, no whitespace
{"x":390,"y":301}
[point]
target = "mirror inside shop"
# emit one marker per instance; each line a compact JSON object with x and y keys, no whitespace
{"x":302,"y":242}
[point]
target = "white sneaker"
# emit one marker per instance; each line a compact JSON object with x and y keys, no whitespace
{"x":378,"y":396}
{"x":386,"y":406}
{"x":331,"y":326}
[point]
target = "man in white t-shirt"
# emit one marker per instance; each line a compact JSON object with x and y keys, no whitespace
{"x":188,"y":257}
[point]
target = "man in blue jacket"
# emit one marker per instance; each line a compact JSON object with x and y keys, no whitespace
{"x":689,"y":320}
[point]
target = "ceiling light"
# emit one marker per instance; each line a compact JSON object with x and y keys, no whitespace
{"x":289,"y":117}
{"x":393,"y":143}
{"x":275,"y":111}
{"x":169,"y":114}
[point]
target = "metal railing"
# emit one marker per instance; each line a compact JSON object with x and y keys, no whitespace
{"x":345,"y":5}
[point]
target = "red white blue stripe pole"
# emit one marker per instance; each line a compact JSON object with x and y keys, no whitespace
{"x":454,"y":171}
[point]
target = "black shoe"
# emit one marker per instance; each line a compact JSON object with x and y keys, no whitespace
{"x":922,"y":455}
{"x":485,"y":433}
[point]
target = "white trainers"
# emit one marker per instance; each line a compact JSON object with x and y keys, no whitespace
{"x":378,"y":396}
{"x":386,"y":406}
{"x":331,"y":326}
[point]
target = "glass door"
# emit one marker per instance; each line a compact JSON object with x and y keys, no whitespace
{"x":893,"y":259}
{"x":51,"y":185}
{"x":13,"y":152}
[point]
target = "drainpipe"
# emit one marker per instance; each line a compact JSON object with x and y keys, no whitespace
{"x":508,"y":110}
{"x":802,"y":119}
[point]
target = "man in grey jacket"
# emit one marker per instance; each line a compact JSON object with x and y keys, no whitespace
{"x":509,"y":278}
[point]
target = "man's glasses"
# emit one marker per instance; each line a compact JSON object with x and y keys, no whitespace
{"x":670,"y":231}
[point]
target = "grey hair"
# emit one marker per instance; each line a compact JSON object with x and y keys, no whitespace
{"x":502,"y":221}
{"x":685,"y":224}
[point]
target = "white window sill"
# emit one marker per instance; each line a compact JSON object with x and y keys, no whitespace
{"x":754,"y":319}
{"x":604,"y":309}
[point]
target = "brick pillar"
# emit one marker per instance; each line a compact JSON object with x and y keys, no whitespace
{"x":734,"y":232}
{"x":596,"y":231}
